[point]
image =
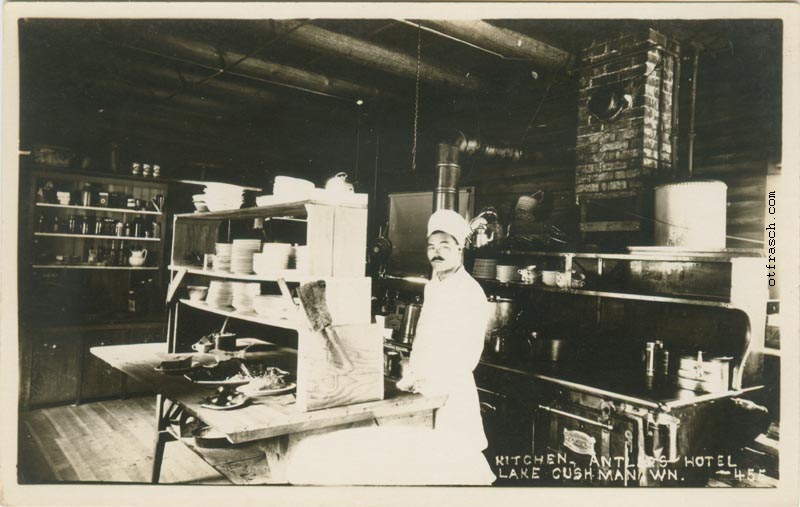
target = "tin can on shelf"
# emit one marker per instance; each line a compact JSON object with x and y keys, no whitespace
{"x":146,"y":170}
{"x":119,"y":228}
{"x":136,"y":169}
{"x":102,"y":199}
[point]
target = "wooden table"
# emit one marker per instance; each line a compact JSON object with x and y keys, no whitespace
{"x":263,"y":433}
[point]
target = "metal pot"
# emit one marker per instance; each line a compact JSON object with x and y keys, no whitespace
{"x":503,"y":312}
{"x":548,"y":349}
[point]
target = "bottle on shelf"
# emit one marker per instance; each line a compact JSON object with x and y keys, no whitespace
{"x":126,"y":230}
{"x":42,"y":227}
{"x":56,"y":225}
{"x":132,"y":301}
{"x":138,"y":227}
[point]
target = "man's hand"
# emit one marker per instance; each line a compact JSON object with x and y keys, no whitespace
{"x":407,"y":384}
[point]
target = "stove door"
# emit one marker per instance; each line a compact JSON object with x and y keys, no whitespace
{"x":585,"y":446}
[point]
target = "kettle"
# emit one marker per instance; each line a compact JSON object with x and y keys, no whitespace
{"x":482,"y":238}
{"x":339,"y":183}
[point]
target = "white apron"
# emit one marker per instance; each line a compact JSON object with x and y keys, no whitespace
{"x":447,"y":348}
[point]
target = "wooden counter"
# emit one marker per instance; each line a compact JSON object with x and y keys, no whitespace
{"x":264,"y":431}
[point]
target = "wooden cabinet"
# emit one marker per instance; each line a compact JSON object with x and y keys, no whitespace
{"x":54,"y":372}
{"x":98,"y":379}
{"x":57,"y":366}
{"x":75,"y":282}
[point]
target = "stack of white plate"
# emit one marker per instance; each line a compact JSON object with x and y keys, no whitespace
{"x":507,"y":273}
{"x":222,"y":256}
{"x":220,"y":294}
{"x":223,"y":196}
{"x":243,"y":294}
{"x":485,"y":268}
{"x":300,"y":260}
{"x":242,"y":255}
{"x":270,"y":306}
{"x":274,"y":257}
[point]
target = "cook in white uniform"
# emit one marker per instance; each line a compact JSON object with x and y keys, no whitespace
{"x":450,"y":335}
{"x":446,"y":350}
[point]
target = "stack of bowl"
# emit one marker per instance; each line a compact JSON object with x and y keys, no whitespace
{"x":242,"y":255}
{"x":506,"y":273}
{"x":243,"y":295}
{"x":223,"y":196}
{"x":485,"y":268}
{"x":292,"y":188}
{"x":63,"y":198}
{"x":274,"y":258}
{"x":220,"y":294}
{"x":199,"y":201}
{"x":270,"y":306}
{"x":222,"y":256}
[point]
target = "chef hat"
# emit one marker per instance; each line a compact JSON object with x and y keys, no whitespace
{"x":446,"y":220}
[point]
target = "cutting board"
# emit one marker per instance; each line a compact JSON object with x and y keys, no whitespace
{"x":322,"y":383}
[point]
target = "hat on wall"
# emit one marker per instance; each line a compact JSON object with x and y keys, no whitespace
{"x":447,"y":220}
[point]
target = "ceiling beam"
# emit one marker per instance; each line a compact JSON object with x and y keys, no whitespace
{"x":254,"y":67}
{"x":369,"y":54}
{"x":500,"y":41}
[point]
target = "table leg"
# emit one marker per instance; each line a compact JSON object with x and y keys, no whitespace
{"x":161,"y":437}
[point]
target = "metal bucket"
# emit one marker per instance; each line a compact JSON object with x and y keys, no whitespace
{"x":691,"y":214}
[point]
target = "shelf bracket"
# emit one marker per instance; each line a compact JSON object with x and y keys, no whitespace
{"x":175,"y":283}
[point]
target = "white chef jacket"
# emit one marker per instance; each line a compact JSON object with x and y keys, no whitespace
{"x":447,"y":347}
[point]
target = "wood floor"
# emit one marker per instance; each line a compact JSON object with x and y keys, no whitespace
{"x":112,"y":441}
{"x":106,"y":441}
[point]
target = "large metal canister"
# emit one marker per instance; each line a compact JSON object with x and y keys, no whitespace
{"x":408,"y":328}
{"x":691,"y":214}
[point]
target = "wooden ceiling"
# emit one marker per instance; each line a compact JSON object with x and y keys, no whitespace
{"x":294,"y":95}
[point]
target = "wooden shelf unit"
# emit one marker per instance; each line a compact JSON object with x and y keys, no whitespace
{"x":65,"y":308}
{"x":67,"y":266}
{"x":336,"y":239}
{"x":124,"y":211}
{"x":92,"y":236}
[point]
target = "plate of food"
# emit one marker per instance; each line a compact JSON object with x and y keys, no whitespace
{"x":269,"y":382}
{"x":224,"y":398}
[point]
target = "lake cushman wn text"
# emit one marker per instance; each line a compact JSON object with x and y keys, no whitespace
{"x":615,"y":469}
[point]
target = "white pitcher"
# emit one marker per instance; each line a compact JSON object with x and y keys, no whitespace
{"x":137,"y":257}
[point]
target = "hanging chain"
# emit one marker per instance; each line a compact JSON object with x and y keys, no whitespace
{"x":416,"y":101}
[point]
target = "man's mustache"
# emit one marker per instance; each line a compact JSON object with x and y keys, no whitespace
{"x":437,"y":258}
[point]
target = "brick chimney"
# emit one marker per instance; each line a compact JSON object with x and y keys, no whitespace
{"x":618,"y":159}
